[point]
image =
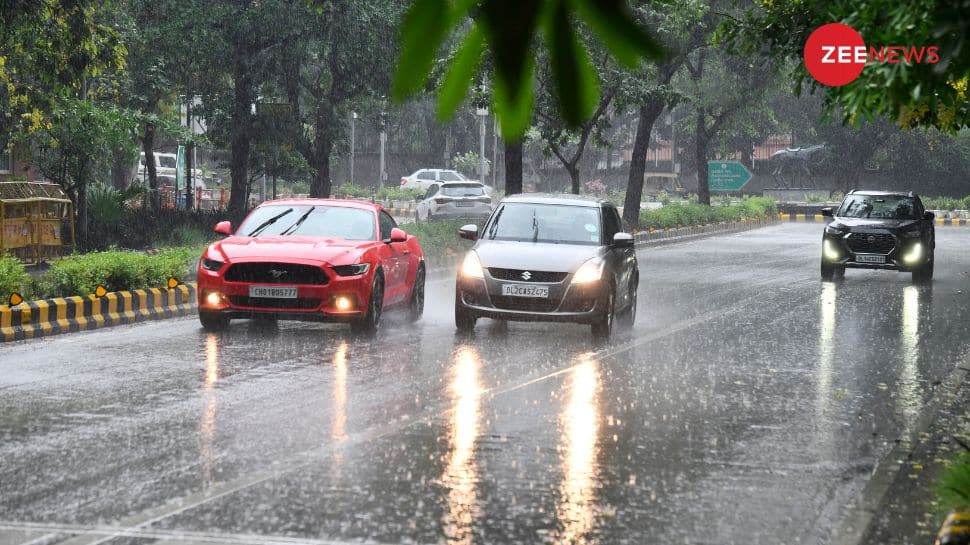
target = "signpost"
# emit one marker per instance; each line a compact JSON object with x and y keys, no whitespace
{"x":727,"y":175}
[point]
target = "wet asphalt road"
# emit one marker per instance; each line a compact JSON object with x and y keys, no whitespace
{"x":749,"y":405}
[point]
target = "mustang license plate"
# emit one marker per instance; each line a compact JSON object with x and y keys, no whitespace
{"x":273,"y":292}
{"x":522,"y":290}
{"x":870,"y":258}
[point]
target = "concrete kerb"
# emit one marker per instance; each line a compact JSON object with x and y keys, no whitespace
{"x":32,"y":319}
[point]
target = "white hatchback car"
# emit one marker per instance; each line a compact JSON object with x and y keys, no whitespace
{"x":453,"y":200}
{"x":422,"y":179}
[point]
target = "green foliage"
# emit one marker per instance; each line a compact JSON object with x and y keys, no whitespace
{"x":469,"y":163}
{"x":115,"y":270}
{"x":13,"y":278}
{"x":953,"y":487}
{"x":438,"y":239}
{"x":107,"y":204}
{"x":507,"y":30}
{"x":674,"y":215}
{"x":394,"y":193}
{"x":139,"y":228}
{"x":354,"y":191}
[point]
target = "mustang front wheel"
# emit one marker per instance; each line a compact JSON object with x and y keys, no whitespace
{"x":372,"y":320}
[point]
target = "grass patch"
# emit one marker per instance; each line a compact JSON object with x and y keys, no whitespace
{"x":953,"y":487}
{"x":673,"y":215}
{"x":14,"y":278}
{"x":439,"y":238}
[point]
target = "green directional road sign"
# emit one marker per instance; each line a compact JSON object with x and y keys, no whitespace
{"x":727,"y":175}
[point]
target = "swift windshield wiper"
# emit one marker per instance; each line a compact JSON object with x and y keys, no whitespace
{"x":292,"y":229}
{"x":494,"y":227}
{"x":268,"y":222}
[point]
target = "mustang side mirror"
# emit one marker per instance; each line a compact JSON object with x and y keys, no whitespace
{"x":623,"y":240}
{"x":397,"y":235}
{"x":468,"y":232}
{"x":224,"y":228}
{"x":929,"y":216}
{"x":827,"y":212}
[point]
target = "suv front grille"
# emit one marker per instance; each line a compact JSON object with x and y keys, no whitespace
{"x":527,"y":304}
{"x":533,"y":276}
{"x":267,"y":302}
{"x":276,"y":273}
{"x":871,"y":243}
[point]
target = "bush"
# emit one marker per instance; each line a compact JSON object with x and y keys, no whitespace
{"x":438,"y":238}
{"x":953,"y":487}
{"x":14,"y":277}
{"x":673,"y":215}
{"x":392,"y":193}
{"x":116,"y":270}
{"x":138,"y":229}
{"x":354,"y":191}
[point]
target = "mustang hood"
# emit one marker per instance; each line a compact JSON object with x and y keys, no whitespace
{"x":538,"y":256}
{"x":873,"y":223}
{"x":330,"y":250}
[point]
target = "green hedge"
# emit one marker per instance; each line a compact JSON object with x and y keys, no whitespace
{"x":14,"y":278}
{"x":439,"y":239}
{"x":947,"y":203}
{"x":391,"y":193}
{"x":696,"y":214}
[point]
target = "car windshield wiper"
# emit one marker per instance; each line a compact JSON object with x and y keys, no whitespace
{"x":268,"y":222}
{"x":292,"y":229}
{"x":494,"y":226}
{"x":535,"y":226}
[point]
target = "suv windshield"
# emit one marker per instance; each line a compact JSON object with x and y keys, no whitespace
{"x":313,"y":221}
{"x":463,"y":190}
{"x":896,"y":207}
{"x":545,"y":223}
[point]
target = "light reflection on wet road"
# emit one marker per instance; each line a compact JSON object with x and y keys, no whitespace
{"x":749,"y":404}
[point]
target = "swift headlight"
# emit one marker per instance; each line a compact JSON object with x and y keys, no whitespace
{"x":351,"y":270}
{"x":914,"y":255}
{"x":830,"y":251}
{"x":211,"y":264}
{"x":471,"y":267}
{"x":591,"y":271}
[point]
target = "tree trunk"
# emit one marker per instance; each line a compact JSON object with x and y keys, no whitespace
{"x":120,"y":170}
{"x":638,"y":163}
{"x":574,"y":177}
{"x":700,"y":158}
{"x":513,"y":167}
{"x":148,"y":146}
{"x":81,"y":226}
{"x":321,"y":186}
{"x":240,"y":139}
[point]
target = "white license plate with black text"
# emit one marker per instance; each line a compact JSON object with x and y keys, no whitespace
{"x":524,"y":290}
{"x":870,"y":259}
{"x":464,"y":203}
{"x":273,"y":292}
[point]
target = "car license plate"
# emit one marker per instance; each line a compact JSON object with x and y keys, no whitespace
{"x":870,"y":258}
{"x":464,"y":203}
{"x":273,"y":292}
{"x":521,"y":290}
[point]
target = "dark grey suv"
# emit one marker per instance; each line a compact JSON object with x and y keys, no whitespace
{"x":879,"y":230}
{"x":555,"y":258}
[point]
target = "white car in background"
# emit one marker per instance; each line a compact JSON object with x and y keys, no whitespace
{"x":454,"y":200}
{"x":423,"y":178}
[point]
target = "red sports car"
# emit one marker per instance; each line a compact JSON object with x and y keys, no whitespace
{"x":311,"y":259}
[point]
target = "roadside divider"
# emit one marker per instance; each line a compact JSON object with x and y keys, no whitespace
{"x":32,"y":319}
{"x":808,"y":218}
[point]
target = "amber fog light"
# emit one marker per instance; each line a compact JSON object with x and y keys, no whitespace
{"x":343,"y":303}
{"x":215,"y":299}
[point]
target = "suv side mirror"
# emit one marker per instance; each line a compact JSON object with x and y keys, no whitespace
{"x":468,"y":232}
{"x":623,"y":240}
{"x":398,"y":235}
{"x":929,"y":216}
{"x":827,"y":212}
{"x":224,"y":228}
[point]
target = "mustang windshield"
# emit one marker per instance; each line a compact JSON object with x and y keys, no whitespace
{"x":545,"y":223}
{"x":895,"y":207}
{"x":311,"y":221}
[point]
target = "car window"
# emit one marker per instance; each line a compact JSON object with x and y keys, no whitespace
{"x":426,"y":175}
{"x":463,"y":190}
{"x":431,"y":191}
{"x":879,"y":207}
{"x":450,"y":176}
{"x":310,"y":220}
{"x":545,"y":223}
{"x":387,"y":223}
{"x":612,"y":224}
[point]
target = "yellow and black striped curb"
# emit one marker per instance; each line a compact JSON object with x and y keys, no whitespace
{"x":952,"y":221}
{"x":819,"y":218}
{"x":399,"y":212}
{"x":955,"y":530}
{"x":65,"y":314}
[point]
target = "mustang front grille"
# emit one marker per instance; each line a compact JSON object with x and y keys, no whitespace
{"x":276,"y":273}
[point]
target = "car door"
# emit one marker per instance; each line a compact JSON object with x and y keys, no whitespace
{"x":396,"y":263}
{"x":621,"y":261}
{"x":424,"y":207}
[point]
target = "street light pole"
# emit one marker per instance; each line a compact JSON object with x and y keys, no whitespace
{"x":494,"y":152}
{"x":353,"y":143}
{"x":482,"y":113}
{"x":383,"y":145}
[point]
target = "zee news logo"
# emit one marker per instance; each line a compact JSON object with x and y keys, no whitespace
{"x":835,"y":54}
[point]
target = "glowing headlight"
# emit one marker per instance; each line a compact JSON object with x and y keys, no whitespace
{"x":211,"y":264}
{"x":830,"y":251}
{"x":914,"y":255}
{"x":591,"y":271}
{"x":471,"y":267}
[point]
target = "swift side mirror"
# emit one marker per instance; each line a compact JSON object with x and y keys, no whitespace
{"x":468,"y":232}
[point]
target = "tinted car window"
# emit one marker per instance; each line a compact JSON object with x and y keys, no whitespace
{"x":426,"y":175}
{"x":545,"y":223}
{"x":387,"y":223}
{"x":879,"y":207}
{"x":314,"y":221}
{"x":431,"y":191}
{"x":463,"y":190}
{"x":612,"y":224}
{"x":450,"y":176}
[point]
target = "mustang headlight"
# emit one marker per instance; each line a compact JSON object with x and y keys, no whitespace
{"x":352,"y":270}
{"x":591,"y":271}
{"x":834,"y":230}
{"x":911,"y":233}
{"x":211,"y":264}
{"x":471,"y":267}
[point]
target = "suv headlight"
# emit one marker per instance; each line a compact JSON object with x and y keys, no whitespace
{"x":471,"y":267}
{"x":834,"y":230}
{"x":351,"y":270}
{"x":211,"y":264}
{"x":911,"y":233}
{"x":591,"y":271}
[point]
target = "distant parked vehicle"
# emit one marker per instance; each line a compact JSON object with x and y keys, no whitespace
{"x":452,"y":200}
{"x":423,"y":178}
